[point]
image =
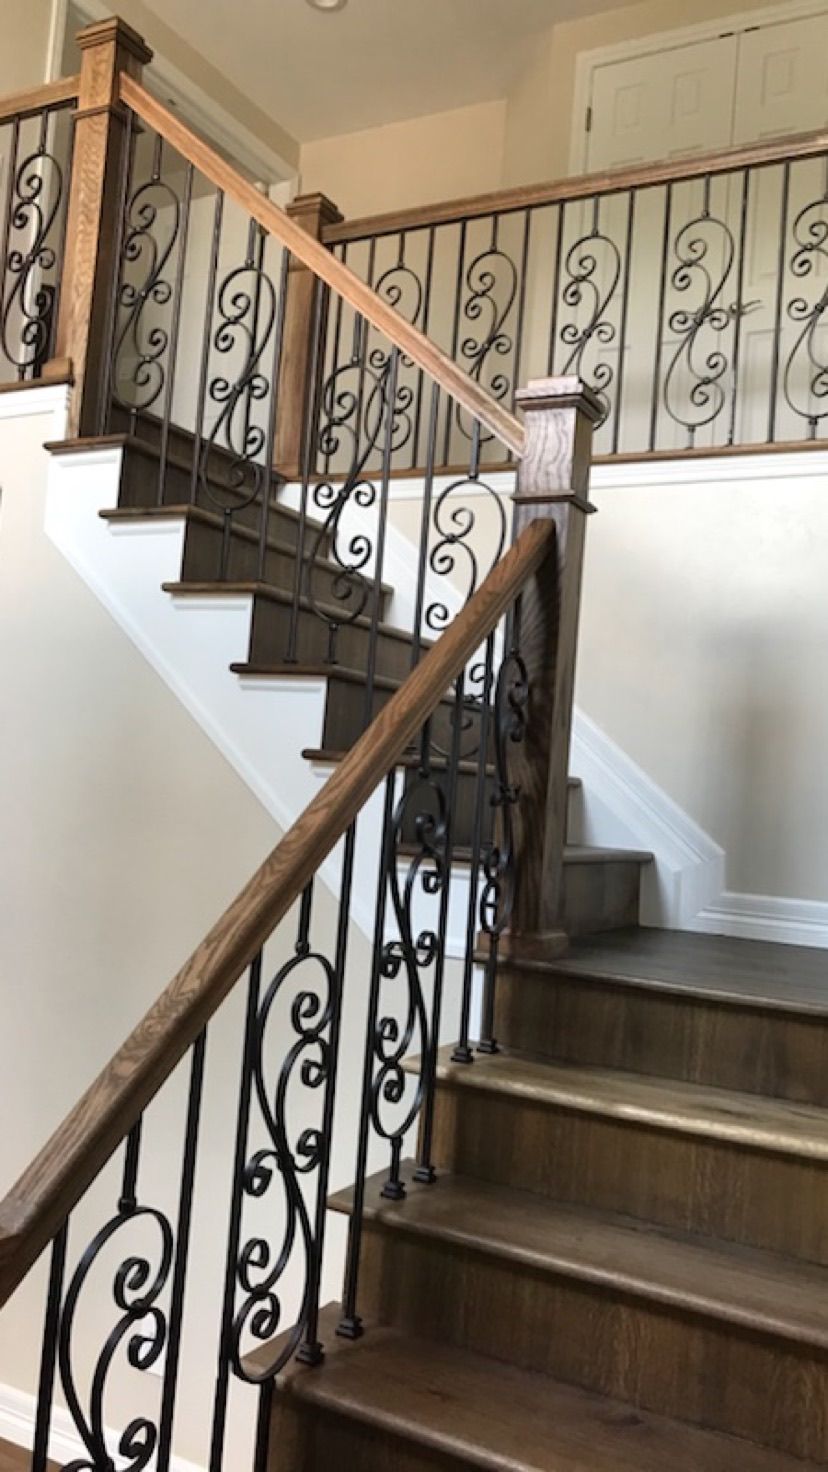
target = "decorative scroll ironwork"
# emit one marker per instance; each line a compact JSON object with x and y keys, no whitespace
{"x":810,"y":234}
{"x":699,"y":402}
{"x":401,"y":1022}
{"x":593,"y":269}
{"x":140,"y":1331}
{"x":453,"y":524}
{"x":491,"y":281}
{"x":511,"y":711}
{"x":232,"y":472}
{"x":151,"y":229}
{"x":260,"y":1264}
{"x":35,"y":204}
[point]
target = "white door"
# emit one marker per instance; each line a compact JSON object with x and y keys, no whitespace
{"x":782,"y":79}
{"x":663,"y":105}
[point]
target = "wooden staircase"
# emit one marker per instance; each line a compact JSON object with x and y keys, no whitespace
{"x":623,"y":1264}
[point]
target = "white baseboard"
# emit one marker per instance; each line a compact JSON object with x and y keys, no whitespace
{"x":766,"y":917}
{"x":624,"y":808}
{"x":17,"y":1425}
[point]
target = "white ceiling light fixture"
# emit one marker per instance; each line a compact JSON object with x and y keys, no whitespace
{"x":328,"y":4}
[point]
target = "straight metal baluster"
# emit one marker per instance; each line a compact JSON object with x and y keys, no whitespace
{"x":518,"y":376}
{"x":261,"y":1459}
{"x":309,"y":434}
{"x":662,"y":296}
{"x":382,"y":523}
{"x":622,"y":331}
{"x":740,"y":289}
{"x":218,"y":216}
{"x":175,"y":330}
{"x":425,"y":1166}
{"x":556,"y":279}
{"x":463,"y":1052}
{"x":780,"y":293}
{"x":273,"y":417}
{"x":455,"y":333}
{"x":426,"y":312}
{"x":425,"y":526}
{"x":48,"y":1358}
{"x":7,"y":216}
{"x":350,"y":1325}
{"x":234,"y":1226}
{"x":127,"y":173}
{"x":182,"y":1247}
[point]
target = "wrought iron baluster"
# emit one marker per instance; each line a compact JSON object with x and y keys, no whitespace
{"x":48,"y":1358}
{"x":35,"y":194}
{"x":740,"y":293}
{"x":175,"y":331}
{"x":810,"y":239}
{"x":491,"y":281}
{"x":584,"y":260}
{"x":662,"y":298}
{"x":625,"y":311}
{"x":463,"y":1052}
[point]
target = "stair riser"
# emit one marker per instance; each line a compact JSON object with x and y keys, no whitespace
{"x":687,"y":1038}
{"x":270,"y":636}
{"x":696,"y":1183}
{"x":600,"y":1339}
{"x":601,"y":897}
{"x":139,"y":487}
{"x":305,"y":1439}
{"x":206,"y":560}
{"x":345,"y":719}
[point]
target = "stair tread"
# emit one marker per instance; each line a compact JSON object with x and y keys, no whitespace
{"x":574,"y":853}
{"x":762,"y":1291}
{"x":723,"y":968}
{"x":490,"y":1415}
{"x":326,"y":757}
{"x":19,"y":1459}
{"x":753,"y":1120}
{"x":186,"y":512}
{"x":252,"y":587}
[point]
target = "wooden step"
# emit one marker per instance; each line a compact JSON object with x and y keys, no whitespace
{"x":602,"y":1301}
{"x":19,"y":1459}
{"x":270,"y":628}
{"x":736,"y":1014}
{"x":708,"y":1161}
{"x":394,"y":1401}
{"x":206,"y":558}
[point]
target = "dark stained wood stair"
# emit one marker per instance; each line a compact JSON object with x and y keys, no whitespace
{"x":622,"y":1264}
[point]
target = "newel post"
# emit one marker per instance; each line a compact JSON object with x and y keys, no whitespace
{"x":314,"y":212}
{"x":553,"y":481}
{"x":98,"y":163}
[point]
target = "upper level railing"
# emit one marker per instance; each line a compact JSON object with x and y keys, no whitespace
{"x":692,"y":295}
{"x":162,"y":233}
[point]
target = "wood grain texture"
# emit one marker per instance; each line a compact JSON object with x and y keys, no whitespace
{"x":38,"y":99}
{"x":728,"y":1166}
{"x":316,"y":256}
{"x":296,"y":393}
{"x":599,"y":1302}
{"x":110,"y":50}
{"x":394,"y":1403}
{"x":36,"y":1206}
{"x":583,"y":186}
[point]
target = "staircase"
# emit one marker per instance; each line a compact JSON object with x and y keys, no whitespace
{"x":599,"y":1242}
{"x":622,"y":1265}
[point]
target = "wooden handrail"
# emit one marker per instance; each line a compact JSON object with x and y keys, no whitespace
{"x":42,"y":1198}
{"x":39,"y":99}
{"x":582,"y":186}
{"x":437,"y":364}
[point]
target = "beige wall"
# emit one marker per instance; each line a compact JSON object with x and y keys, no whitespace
{"x":24,"y":52}
{"x":419,"y":162}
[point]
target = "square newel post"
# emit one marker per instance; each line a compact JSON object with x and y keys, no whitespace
{"x":314,"y":212}
{"x":98,"y":164}
{"x":553,"y":482}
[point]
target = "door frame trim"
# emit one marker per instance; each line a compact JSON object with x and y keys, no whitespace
{"x":588,"y":62}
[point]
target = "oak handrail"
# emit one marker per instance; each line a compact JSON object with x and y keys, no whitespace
{"x":39,"y":99}
{"x":37,"y":1205}
{"x":582,"y":186}
{"x":409,"y":339}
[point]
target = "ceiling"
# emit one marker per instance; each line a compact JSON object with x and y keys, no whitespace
{"x":376,"y":61}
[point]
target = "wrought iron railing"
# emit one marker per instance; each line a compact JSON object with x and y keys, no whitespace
{"x":691,"y":296}
{"x":35,"y":169}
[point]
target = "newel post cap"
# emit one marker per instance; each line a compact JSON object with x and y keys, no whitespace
{"x":563,"y":392}
{"x":115,"y":32}
{"x":314,"y":212}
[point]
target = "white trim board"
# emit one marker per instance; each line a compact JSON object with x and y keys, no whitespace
{"x":766,"y":917}
{"x":17,"y":1424}
{"x":588,"y":62}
